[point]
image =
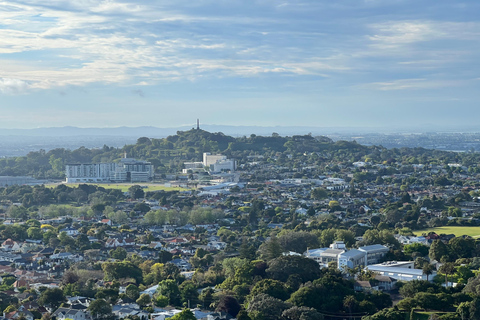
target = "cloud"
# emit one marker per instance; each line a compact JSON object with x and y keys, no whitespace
{"x":13,"y":86}
{"x":127,"y":42}
{"x":413,"y":84}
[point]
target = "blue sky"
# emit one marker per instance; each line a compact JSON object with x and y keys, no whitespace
{"x":362,"y":63}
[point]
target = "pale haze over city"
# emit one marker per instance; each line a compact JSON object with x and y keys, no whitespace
{"x":362,"y":63}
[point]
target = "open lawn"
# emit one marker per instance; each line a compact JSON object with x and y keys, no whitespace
{"x":124,"y":186}
{"x":457,"y":231}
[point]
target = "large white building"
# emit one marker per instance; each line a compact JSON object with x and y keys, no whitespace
{"x":213,"y":162}
{"x":127,"y":170}
{"x":337,"y":252}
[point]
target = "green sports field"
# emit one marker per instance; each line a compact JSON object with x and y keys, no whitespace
{"x":124,"y":186}
{"x":457,"y":231}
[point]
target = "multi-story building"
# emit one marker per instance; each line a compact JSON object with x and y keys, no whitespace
{"x":375,"y":253}
{"x":218,"y":162}
{"x":127,"y":170}
{"x":215,"y":163}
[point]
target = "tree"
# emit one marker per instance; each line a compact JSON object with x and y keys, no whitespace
{"x":229,"y":305}
{"x":420,"y":249}
{"x":271,"y":249}
{"x":271,"y":287}
{"x":462,"y":247}
{"x":186,"y":314}
{"x":447,"y":269}
{"x":136,"y":192}
{"x":298,"y":241}
{"x":52,"y":297}
{"x":411,"y":288}
{"x":34,"y":233}
{"x":386,"y":314}
{"x":70,"y":277}
{"x":188,"y":293}
{"x":475,"y":309}
{"x":437,"y":250}
{"x":132,"y":292}
{"x":319,"y":193}
{"x":169,"y":289}
{"x":118,"y":253}
{"x":99,"y":308}
{"x":282,"y":267}
{"x":427,"y":269}
{"x":122,"y":269}
{"x":350,"y":303}
{"x":302,"y":313}
{"x":144,"y":300}
{"x":265,"y":307}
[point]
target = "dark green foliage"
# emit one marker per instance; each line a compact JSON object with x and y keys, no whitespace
{"x":461,"y":247}
{"x":123,"y":269}
{"x":298,"y":241}
{"x":186,"y":314}
{"x":169,"y":289}
{"x":265,"y":307}
{"x":282,"y":267}
{"x":411,"y":288}
{"x":52,"y":297}
{"x":302,"y":313}
{"x":438,"y":250}
{"x":229,"y":305}
{"x":386,"y":314}
{"x":99,"y":308}
{"x":271,"y":287}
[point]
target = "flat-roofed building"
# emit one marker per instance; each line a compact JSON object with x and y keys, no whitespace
{"x":127,"y":170}
{"x":375,"y":253}
{"x":402,"y":270}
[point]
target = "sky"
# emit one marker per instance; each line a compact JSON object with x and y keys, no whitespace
{"x":165,"y":63}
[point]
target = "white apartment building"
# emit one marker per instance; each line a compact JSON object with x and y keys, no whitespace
{"x":127,"y":170}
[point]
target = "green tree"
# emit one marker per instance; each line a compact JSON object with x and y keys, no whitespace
{"x":271,"y":249}
{"x":427,"y":269}
{"x":229,"y":305}
{"x":144,"y":300}
{"x":169,"y":289}
{"x":273,"y":288}
{"x":437,"y":250}
{"x":282,"y":267}
{"x":118,"y":253}
{"x":99,"y":308}
{"x":448,"y":268}
{"x":132,"y":292}
{"x":186,"y":314}
{"x":52,"y":297}
{"x":264,"y":307}
{"x":301,"y":313}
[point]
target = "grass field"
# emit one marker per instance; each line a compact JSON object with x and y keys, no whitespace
{"x":124,"y":186}
{"x":457,"y":231}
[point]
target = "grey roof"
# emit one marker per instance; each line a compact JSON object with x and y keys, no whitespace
{"x":353,"y":253}
{"x":332,"y":252}
{"x":373,"y":247}
{"x":415,"y":272}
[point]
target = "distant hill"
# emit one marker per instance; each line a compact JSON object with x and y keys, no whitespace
{"x":236,"y":131}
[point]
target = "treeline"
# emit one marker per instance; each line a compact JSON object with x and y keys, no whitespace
{"x":168,"y":154}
